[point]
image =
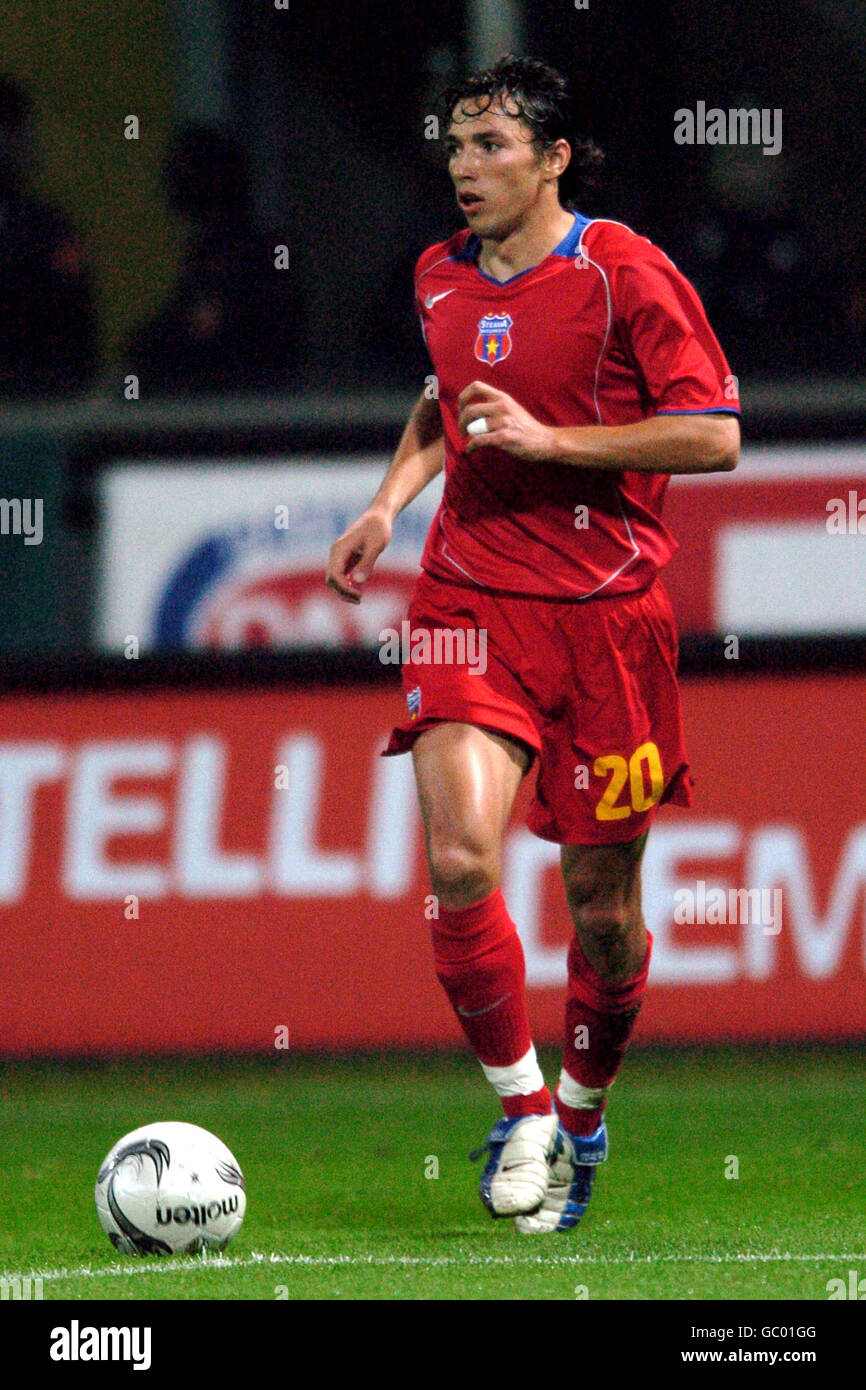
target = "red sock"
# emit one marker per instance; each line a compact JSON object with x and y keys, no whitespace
{"x":480,"y":963}
{"x":598,"y":1022}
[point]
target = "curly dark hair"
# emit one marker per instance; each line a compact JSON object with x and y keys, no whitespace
{"x":541,"y":97}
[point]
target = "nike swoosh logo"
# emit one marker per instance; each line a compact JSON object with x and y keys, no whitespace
{"x":488,"y":1008}
{"x":434,"y":298}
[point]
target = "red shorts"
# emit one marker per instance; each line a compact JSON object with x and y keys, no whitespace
{"x":590,"y":688}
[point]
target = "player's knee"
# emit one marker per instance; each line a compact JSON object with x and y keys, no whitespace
{"x":461,"y":874}
{"x":599,"y":911}
{"x":606,"y":937}
{"x":609,"y":928}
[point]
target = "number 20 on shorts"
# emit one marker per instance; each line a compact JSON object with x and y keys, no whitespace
{"x":644,"y":765}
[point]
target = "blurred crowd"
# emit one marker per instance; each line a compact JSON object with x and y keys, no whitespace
{"x":231,"y":320}
{"x":234,"y":321}
{"x":48,"y":341}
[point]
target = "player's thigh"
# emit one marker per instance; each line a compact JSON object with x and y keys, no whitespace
{"x":467,"y":780}
{"x":604,"y":877}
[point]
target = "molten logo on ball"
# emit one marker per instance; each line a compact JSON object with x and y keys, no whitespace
{"x":170,"y":1189}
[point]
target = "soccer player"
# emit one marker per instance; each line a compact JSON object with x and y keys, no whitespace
{"x":576,"y":372}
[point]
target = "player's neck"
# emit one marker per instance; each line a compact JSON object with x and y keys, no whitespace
{"x":528,"y":245}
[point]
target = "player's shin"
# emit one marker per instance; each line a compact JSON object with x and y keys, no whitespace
{"x":599,"y":1019}
{"x":480,"y":963}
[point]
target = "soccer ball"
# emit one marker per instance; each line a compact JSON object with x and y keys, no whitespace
{"x":169,"y":1189}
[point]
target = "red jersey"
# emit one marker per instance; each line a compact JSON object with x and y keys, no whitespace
{"x":605,"y":330}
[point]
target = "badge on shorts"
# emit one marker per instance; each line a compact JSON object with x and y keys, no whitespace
{"x":493,"y":343}
{"x":413,"y":700}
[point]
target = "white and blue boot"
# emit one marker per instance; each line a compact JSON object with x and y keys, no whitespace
{"x":573,"y":1163}
{"x":515,"y":1180}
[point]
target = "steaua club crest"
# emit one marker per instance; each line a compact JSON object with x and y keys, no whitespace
{"x":493,"y":343}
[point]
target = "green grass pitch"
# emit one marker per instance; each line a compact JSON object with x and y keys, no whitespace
{"x":340,"y":1156}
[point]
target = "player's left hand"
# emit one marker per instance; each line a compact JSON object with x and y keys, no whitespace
{"x":509,"y":426}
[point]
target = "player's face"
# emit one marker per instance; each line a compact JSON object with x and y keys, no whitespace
{"x":496,"y":172}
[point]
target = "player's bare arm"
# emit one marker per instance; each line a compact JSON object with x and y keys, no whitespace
{"x":699,"y":443}
{"x":420,"y":456}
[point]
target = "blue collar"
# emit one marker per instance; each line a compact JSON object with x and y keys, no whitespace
{"x":567,"y":247}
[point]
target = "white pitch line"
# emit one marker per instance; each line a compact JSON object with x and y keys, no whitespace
{"x":255,"y":1259}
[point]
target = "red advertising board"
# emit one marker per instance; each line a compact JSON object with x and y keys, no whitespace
{"x":233,"y":869}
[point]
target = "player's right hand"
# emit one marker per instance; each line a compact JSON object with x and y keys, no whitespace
{"x":354,"y":554}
